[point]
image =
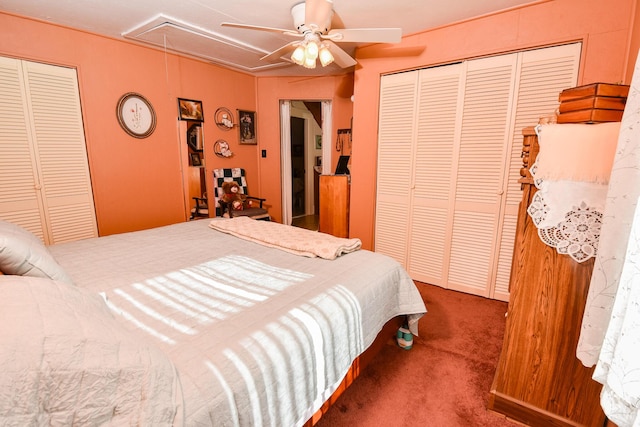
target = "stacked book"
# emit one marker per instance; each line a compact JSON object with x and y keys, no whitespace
{"x":593,"y":103}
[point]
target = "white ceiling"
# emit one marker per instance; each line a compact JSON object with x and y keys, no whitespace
{"x":192,"y":27}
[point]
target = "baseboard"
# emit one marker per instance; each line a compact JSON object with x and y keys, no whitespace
{"x":525,"y":413}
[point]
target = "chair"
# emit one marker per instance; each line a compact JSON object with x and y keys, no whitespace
{"x":201,"y":209}
{"x":223,"y":209}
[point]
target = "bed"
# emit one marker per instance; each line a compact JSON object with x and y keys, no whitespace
{"x":187,"y":325}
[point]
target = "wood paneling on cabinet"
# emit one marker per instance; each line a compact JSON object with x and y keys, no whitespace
{"x":334,"y":205}
{"x":539,"y":381}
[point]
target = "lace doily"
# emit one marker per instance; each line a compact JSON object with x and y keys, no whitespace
{"x":568,"y":215}
{"x":577,"y":236}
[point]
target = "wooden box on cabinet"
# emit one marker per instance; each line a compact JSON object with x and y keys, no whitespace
{"x":334,"y":205}
{"x":539,"y":380}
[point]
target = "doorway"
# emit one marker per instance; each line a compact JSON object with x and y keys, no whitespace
{"x":303,"y":124}
{"x":298,"y":169}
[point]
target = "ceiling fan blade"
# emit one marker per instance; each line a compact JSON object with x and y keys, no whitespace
{"x":260,"y":28}
{"x":340,"y":57}
{"x":365,"y":35}
{"x":318,"y":12}
{"x":336,"y":21}
{"x":277,"y":54}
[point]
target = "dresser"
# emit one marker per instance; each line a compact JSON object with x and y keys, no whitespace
{"x":334,"y":205}
{"x":539,"y":381}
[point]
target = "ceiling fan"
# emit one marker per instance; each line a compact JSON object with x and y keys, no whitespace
{"x":317,"y":40}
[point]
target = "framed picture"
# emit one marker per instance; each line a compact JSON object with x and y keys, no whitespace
{"x":195,"y":159}
{"x":136,"y":116}
{"x":247,"y":126}
{"x":194,"y":137}
{"x":318,"y":142}
{"x":188,"y":109}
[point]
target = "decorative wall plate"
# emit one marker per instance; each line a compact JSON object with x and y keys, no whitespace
{"x":135,"y":115}
{"x":221,"y":148}
{"x":224,"y":118}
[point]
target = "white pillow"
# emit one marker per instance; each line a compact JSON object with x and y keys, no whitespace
{"x":24,"y":254}
{"x":66,"y":360}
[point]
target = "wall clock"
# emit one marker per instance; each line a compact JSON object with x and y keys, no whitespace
{"x":135,"y":115}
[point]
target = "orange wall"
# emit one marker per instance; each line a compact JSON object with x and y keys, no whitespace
{"x":137,"y":183}
{"x":271,"y":91}
{"x":604,"y":27}
{"x":634,"y":43}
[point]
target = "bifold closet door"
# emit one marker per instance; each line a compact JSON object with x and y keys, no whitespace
{"x":440,"y":95}
{"x":449,"y":159}
{"x":396,"y":147}
{"x":44,"y":175}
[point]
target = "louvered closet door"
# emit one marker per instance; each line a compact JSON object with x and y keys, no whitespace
{"x":440,"y":93}
{"x":465,"y":162}
{"x":45,"y":185}
{"x":542,"y":75}
{"x":19,"y":199}
{"x":396,"y":135}
{"x":478,"y":174}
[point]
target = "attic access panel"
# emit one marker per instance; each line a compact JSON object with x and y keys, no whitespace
{"x":182,"y":38}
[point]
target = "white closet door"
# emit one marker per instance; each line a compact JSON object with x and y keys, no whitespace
{"x":463,"y":160}
{"x":542,"y":75}
{"x":55,"y":175}
{"x":488,"y":100}
{"x":396,"y":135}
{"x":437,"y":130}
{"x":19,"y":199}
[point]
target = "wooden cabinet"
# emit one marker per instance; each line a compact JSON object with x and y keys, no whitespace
{"x":539,"y":381}
{"x":334,"y":205}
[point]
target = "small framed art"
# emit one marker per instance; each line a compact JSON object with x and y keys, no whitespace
{"x":247,"y":126}
{"x":195,"y":159}
{"x":189,"y":109}
{"x":194,"y":137}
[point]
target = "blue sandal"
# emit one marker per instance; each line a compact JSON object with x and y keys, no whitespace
{"x":404,"y":338}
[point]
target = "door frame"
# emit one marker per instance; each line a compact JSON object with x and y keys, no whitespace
{"x":285,"y":153}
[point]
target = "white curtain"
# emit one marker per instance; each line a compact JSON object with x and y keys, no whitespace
{"x":285,"y":160}
{"x":327,"y":125}
{"x":610,"y":334}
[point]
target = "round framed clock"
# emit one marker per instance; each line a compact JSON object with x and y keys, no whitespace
{"x":135,"y":115}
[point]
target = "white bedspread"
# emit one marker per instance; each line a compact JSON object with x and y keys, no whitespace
{"x":258,"y":336}
{"x":66,"y":361}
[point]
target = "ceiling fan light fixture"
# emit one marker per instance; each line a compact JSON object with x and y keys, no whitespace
{"x":309,"y":63}
{"x":325,"y":56}
{"x":311,"y":50}
{"x":298,"y":55}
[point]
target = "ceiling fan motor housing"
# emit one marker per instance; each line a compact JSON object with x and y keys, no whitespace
{"x":298,"y":13}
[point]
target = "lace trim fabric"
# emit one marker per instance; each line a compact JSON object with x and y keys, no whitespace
{"x":568,"y":215}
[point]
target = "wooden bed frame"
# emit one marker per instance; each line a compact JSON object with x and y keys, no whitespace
{"x":385,"y":337}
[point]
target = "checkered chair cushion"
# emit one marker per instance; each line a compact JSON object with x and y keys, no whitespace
{"x":237,"y":175}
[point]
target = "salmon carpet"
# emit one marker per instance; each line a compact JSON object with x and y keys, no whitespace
{"x":443,"y":381}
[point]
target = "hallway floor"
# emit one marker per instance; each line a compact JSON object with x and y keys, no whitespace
{"x":310,"y":222}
